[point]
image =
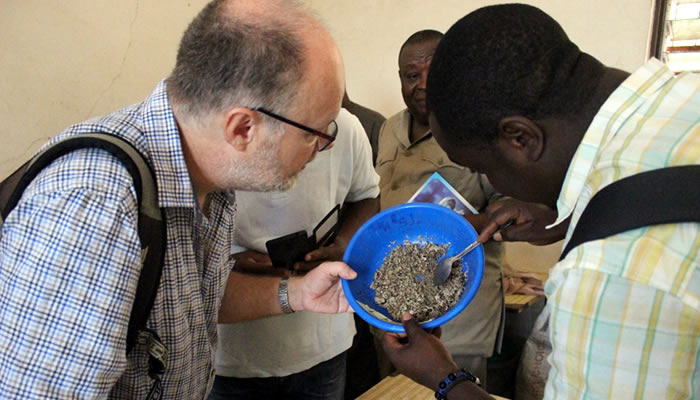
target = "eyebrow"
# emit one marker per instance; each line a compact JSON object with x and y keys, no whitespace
{"x":408,"y":67}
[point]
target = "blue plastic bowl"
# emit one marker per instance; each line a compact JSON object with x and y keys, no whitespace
{"x":415,"y":222}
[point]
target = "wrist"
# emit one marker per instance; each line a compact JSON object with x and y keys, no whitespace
{"x":342,"y":240}
{"x":453,"y":379}
{"x":283,"y":296}
{"x":294,"y":292}
{"x":437,"y":374}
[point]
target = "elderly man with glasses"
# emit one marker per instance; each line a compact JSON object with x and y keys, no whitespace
{"x":70,"y":256}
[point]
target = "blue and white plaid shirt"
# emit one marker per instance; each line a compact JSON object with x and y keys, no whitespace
{"x":69,"y":264}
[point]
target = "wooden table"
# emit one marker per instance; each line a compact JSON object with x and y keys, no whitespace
{"x":399,"y":387}
{"x":517,"y":302}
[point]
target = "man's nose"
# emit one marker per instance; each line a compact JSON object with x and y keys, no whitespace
{"x":423,"y":80}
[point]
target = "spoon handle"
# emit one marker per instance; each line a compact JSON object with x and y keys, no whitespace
{"x":467,"y":250}
{"x":476,"y":243}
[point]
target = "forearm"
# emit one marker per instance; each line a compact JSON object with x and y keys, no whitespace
{"x":431,"y":378}
{"x":252,"y":296}
{"x":249,"y":297}
{"x":421,"y":356}
{"x":354,"y":215}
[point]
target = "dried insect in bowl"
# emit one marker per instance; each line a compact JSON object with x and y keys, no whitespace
{"x":403,"y":284}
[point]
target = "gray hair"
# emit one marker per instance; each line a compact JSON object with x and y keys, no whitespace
{"x":229,"y":58}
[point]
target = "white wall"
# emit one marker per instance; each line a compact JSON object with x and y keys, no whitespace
{"x":370,"y":33}
{"x":65,"y":61}
{"x":62,"y":62}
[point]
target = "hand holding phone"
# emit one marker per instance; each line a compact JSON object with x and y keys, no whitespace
{"x":289,"y":249}
{"x":253,"y":262}
{"x":286,"y":250}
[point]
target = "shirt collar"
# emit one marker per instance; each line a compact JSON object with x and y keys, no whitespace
{"x":625,"y":100}
{"x":402,"y":130}
{"x":165,"y":150}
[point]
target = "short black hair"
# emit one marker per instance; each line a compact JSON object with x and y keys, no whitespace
{"x":502,"y":60}
{"x":423,"y":36}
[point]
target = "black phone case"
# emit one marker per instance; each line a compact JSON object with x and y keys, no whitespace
{"x":285,"y":250}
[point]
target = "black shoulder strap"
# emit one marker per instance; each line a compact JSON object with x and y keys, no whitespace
{"x":661,"y":196}
{"x":151,"y":224}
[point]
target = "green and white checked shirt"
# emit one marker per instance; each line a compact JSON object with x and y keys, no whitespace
{"x":625,"y":311}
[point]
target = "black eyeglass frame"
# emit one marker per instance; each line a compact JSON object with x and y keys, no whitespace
{"x":312,"y":131}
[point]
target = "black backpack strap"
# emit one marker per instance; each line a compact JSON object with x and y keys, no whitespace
{"x":661,"y":196}
{"x":151,"y":225}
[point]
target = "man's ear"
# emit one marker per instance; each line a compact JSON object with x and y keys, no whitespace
{"x":238,"y":127}
{"x":521,"y":137}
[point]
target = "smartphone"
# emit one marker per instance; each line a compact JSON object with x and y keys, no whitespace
{"x":326,"y":230}
{"x":286,"y":250}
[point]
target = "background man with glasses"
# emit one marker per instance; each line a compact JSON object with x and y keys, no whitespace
{"x":70,"y":252}
{"x":299,"y":355}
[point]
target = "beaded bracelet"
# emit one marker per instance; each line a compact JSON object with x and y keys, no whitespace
{"x":452,"y":380}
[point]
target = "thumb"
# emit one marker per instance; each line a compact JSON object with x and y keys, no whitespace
{"x":348,"y":273}
{"x":488,"y":231}
{"x":339,"y":268}
{"x":410,"y":325}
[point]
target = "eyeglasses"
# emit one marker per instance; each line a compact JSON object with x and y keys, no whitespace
{"x":324,"y":139}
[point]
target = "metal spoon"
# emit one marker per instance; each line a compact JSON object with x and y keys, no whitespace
{"x":445,"y":265}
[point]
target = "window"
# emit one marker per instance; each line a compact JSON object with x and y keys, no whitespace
{"x":676,"y":34}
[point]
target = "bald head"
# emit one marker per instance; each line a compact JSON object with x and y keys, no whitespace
{"x":252,"y":53}
{"x":261,"y":10}
{"x":235,"y":57}
{"x":324,"y":76}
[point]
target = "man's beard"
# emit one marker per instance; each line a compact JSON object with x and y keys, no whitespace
{"x":262,"y":172}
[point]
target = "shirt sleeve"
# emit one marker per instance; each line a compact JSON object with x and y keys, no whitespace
{"x":365,"y":181}
{"x":489,"y":191}
{"x":69,"y":265}
{"x":386,"y":154}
